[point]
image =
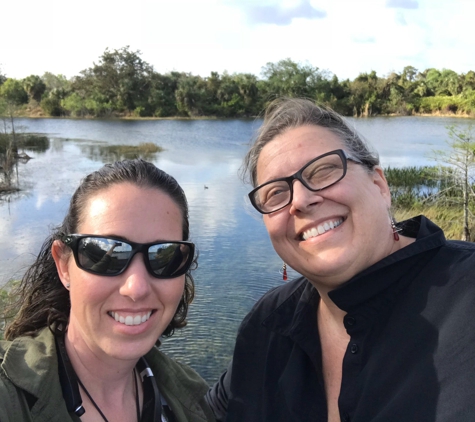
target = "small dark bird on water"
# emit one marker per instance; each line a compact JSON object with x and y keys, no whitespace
{"x":206,"y":187}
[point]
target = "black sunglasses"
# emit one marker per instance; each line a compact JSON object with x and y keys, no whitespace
{"x":110,"y":256}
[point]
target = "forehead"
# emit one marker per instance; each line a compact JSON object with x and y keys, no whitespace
{"x":292,"y":149}
{"x":137,"y":210}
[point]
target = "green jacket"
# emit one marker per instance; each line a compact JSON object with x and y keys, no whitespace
{"x":30,"y":389}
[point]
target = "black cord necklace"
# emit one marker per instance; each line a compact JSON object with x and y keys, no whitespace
{"x":137,"y":401}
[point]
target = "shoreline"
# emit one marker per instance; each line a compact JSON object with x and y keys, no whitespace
{"x":28,"y":116}
{"x":37,"y":113}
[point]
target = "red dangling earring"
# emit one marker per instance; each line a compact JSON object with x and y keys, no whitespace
{"x":284,"y":271}
{"x":395,"y":230}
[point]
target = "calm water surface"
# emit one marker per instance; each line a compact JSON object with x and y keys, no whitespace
{"x":237,"y":263}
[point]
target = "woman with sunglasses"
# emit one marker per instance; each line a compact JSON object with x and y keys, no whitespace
{"x":112,"y":279}
{"x":379,"y":327}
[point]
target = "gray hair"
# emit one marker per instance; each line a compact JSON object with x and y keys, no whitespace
{"x":288,"y":113}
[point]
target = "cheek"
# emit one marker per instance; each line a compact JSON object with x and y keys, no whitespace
{"x":170,"y":292}
{"x":88,"y":291}
{"x":275,"y":225}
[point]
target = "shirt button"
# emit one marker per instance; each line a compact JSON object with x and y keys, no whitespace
{"x":354,"y":348}
{"x":350,"y":321}
{"x":346,"y":417}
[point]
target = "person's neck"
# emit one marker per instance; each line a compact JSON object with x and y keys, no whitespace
{"x":108,"y":380}
{"x":329,"y":311}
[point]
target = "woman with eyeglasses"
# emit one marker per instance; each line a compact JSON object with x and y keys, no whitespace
{"x":379,"y":327}
{"x":107,"y":284}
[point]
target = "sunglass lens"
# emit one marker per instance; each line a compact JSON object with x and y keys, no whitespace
{"x":169,"y":260}
{"x":102,"y":255}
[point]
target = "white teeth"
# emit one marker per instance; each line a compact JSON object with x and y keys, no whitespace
{"x":129,"y":319}
{"x":321,"y":228}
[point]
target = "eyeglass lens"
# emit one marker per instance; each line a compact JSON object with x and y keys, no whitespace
{"x":316,"y":175}
{"x":107,"y":256}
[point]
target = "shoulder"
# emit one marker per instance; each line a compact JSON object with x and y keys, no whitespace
{"x":4,"y":346}
{"x":166,"y":369}
{"x":7,"y":390}
{"x":29,"y":380}
{"x":458,"y":256}
{"x":284,"y":298}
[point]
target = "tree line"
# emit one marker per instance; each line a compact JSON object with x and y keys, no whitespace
{"x":121,"y":83}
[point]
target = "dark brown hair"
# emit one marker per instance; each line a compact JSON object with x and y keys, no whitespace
{"x":42,"y":299}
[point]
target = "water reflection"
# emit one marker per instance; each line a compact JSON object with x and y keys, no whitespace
{"x":13,"y":152}
{"x":34,"y":143}
{"x":110,"y":153}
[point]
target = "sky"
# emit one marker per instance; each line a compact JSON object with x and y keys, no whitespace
{"x":343,"y":37}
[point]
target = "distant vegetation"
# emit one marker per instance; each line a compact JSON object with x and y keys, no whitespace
{"x":444,"y":193}
{"x":122,"y":84}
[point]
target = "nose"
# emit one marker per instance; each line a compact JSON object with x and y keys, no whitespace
{"x":137,"y":279}
{"x":302,"y":198}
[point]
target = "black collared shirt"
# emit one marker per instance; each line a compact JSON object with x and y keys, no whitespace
{"x":411,"y":356}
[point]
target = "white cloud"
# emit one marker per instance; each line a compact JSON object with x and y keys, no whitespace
{"x":403,"y":4}
{"x":199,"y":36}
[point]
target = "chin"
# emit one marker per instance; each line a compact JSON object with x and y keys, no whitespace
{"x":129,"y":350}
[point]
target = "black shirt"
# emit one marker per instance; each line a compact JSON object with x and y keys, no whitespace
{"x":411,"y":356}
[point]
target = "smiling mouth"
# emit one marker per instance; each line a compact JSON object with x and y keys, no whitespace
{"x":321,"y":228}
{"x":128,"y":319}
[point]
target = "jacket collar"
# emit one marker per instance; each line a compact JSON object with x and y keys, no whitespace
{"x":181,"y":387}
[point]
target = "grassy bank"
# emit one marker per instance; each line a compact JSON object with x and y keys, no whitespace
{"x":34,"y":111}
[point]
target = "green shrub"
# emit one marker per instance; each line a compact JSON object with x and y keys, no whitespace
{"x":51,"y":106}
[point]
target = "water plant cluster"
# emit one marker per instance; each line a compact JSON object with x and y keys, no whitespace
{"x":121,"y":83}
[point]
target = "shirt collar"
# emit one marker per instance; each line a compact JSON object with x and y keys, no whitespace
{"x":297,"y":313}
{"x":406,"y":261}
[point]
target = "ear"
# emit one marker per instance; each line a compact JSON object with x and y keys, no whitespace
{"x":379,"y":179}
{"x":61,"y":259}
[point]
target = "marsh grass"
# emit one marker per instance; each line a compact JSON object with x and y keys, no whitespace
{"x":449,"y":219}
{"x":8,"y":296}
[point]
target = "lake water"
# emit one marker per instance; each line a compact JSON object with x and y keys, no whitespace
{"x":237,"y":263}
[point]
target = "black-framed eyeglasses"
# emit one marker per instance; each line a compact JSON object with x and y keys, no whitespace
{"x":110,"y":256}
{"x":319,"y":173}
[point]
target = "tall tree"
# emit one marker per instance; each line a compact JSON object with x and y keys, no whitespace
{"x":364,"y":94}
{"x":290,"y":79}
{"x":3,"y":78}
{"x":461,"y":160}
{"x":12,"y":98}
{"x":34,"y":86}
{"x":120,"y":78}
{"x":13,"y":93}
